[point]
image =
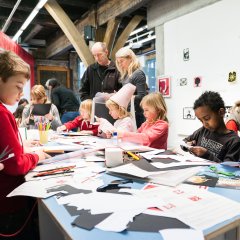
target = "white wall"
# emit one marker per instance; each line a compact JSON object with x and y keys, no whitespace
{"x":212,"y":35}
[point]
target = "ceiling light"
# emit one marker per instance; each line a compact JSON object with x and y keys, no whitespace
{"x":32,"y":15}
{"x":138,"y":30}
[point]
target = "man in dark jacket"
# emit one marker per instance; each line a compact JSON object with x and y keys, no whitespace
{"x":101,"y":76}
{"x":65,"y":100}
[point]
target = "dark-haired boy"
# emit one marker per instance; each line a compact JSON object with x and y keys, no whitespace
{"x":213,"y":141}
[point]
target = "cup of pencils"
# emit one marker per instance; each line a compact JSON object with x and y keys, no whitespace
{"x":43,"y":129}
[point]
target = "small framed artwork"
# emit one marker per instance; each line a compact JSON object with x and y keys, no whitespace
{"x":186,"y":54}
{"x":164,"y":85}
{"x":232,"y":76}
{"x":227,"y":112}
{"x":188,"y":113}
{"x":183,"y":82}
{"x":197,"y":82}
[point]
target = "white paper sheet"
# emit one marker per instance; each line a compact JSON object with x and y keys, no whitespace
{"x":193,"y":205}
{"x":174,"y":177}
{"x":32,"y":189}
{"x":130,"y":169}
{"x":118,"y":221}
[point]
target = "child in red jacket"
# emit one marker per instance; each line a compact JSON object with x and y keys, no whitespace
{"x":83,"y":121}
{"x":14,"y":73}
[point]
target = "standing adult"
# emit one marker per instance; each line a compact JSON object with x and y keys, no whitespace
{"x":129,"y":68}
{"x":101,"y":76}
{"x":65,"y":100}
{"x":23,"y":101}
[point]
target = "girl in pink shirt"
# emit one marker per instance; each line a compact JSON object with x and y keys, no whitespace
{"x":154,"y":131}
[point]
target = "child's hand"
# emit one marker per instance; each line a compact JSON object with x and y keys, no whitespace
{"x":198,"y":151}
{"x":108,"y":134}
{"x":30,"y":143}
{"x":1,"y":166}
{"x":120,"y":133}
{"x":61,"y":128}
{"x":49,"y":116}
{"x":191,"y":143}
{"x":42,"y":155}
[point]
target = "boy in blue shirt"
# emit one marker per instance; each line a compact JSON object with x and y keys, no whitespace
{"x":213,"y":141}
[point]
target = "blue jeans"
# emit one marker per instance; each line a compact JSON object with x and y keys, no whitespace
{"x":69,"y":116}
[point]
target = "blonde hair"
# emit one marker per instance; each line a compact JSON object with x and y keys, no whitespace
{"x":122,"y":111}
{"x":126,"y":52}
{"x":156,"y":101}
{"x":38,"y":92}
{"x":11,"y":64}
{"x":237,"y":105}
{"x":86,"y":105}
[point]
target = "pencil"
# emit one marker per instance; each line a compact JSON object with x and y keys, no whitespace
{"x":135,"y":157}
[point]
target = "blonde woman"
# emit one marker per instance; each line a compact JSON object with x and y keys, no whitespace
{"x":38,"y":96}
{"x":154,"y":131}
{"x":129,"y":68}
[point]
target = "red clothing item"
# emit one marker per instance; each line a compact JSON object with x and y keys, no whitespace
{"x":150,"y":134}
{"x":78,"y":122}
{"x":232,"y":125}
{"x":14,"y":168}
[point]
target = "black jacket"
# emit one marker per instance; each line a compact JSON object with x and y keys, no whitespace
{"x":65,"y":99}
{"x":92,"y":82}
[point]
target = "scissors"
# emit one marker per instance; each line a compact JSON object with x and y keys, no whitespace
{"x":114,"y":185}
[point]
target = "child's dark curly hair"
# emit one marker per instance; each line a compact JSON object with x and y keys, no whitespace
{"x":211,"y":99}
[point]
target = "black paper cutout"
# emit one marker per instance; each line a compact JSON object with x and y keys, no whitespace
{"x":152,"y":223}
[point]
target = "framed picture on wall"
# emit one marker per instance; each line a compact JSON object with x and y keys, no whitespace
{"x":164,"y":85}
{"x":62,"y":74}
{"x":186,"y":54}
{"x":188,"y":113}
{"x":227,"y":112}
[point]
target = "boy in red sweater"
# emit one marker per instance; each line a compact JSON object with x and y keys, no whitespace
{"x":14,"y":73}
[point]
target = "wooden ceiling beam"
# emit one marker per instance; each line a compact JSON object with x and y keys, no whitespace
{"x":112,"y":28}
{"x":106,"y":11}
{"x":70,"y":31}
{"x":37,"y":28}
{"x":125,"y":34}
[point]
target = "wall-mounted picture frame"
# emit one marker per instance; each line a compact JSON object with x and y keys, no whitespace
{"x":183,"y":82}
{"x":186,"y":54}
{"x":164,"y":85}
{"x":188,"y":113}
{"x":227,"y":112}
{"x":197,"y":81}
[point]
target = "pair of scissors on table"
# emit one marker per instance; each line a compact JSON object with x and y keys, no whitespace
{"x":215,"y":170}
